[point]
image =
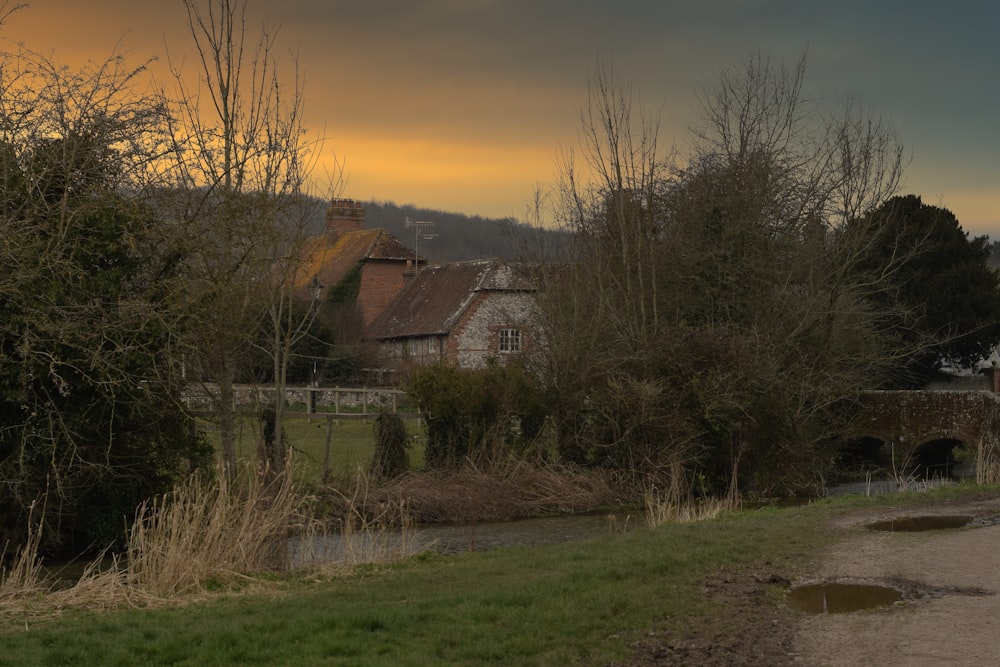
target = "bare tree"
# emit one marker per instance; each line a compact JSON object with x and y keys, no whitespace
{"x":602,"y":308}
{"x":866,"y":161}
{"x":822,"y":165}
{"x":712,"y":318}
{"x":246,"y":161}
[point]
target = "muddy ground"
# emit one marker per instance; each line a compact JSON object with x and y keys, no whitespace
{"x":949,"y":614}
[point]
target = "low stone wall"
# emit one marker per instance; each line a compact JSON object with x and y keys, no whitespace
{"x":325,"y":399}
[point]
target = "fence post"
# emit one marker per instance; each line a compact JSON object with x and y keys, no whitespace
{"x":326,"y":450}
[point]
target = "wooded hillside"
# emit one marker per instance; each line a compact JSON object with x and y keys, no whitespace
{"x":455,"y":236}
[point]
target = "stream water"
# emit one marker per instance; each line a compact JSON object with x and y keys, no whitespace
{"x":450,"y":539}
{"x":459,"y":538}
{"x":480,"y":536}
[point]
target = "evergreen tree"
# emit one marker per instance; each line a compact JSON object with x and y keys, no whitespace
{"x":949,"y":293}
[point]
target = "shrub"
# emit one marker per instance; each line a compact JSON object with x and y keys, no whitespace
{"x":390,"y":458}
{"x":481,"y":415}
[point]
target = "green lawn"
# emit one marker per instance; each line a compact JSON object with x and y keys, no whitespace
{"x":560,"y":604}
{"x":352,"y":443}
{"x":546,"y":605}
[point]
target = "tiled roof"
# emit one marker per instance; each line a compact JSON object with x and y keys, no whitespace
{"x":433,"y":302}
{"x":330,"y":258}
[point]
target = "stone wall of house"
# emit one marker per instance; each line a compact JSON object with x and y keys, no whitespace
{"x":475,"y":339}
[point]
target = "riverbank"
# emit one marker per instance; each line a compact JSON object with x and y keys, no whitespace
{"x":700,"y":593}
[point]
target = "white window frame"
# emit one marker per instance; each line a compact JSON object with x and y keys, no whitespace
{"x":509,"y":340}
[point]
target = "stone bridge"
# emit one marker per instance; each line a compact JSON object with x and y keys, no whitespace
{"x":930,"y":433}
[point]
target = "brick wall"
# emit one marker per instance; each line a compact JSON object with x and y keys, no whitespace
{"x":911,"y":418}
{"x":345,"y":215}
{"x":381,"y":281}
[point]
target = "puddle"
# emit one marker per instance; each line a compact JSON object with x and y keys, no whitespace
{"x":915,"y":524}
{"x":841,"y":598}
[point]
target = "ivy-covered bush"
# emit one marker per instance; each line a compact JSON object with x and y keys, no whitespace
{"x":482,"y":415}
{"x":391,"y":458}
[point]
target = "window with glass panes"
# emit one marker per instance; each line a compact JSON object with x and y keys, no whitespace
{"x":509,"y":340}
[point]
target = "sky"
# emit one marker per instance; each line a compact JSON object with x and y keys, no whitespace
{"x":466,"y":105}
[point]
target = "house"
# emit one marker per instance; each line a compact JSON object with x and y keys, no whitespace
{"x":463,"y":313}
{"x":354,"y":266}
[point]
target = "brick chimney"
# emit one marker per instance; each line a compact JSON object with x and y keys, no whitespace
{"x":344,"y":215}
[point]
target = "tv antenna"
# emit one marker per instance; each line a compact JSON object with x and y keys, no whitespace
{"x":421,"y":231}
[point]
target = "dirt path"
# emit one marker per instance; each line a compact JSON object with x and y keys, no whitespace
{"x":952,"y":581}
{"x":950,"y":614}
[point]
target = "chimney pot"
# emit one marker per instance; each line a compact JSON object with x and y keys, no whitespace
{"x":344,"y":215}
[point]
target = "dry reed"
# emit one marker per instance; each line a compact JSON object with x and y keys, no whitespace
{"x":217,"y":530}
{"x":205,"y":532}
{"x":24,"y":576}
{"x":660,"y":511}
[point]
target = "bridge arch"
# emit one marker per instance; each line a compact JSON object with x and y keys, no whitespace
{"x":942,"y":432}
{"x":864,"y":454}
{"x":939,"y":458}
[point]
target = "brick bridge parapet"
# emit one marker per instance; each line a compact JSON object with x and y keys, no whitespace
{"x":906,"y":420}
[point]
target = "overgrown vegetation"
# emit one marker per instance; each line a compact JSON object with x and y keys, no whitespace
{"x":89,"y":390}
{"x":719,"y":308}
{"x":485,"y":416}
{"x":391,"y":443}
{"x":146,"y":244}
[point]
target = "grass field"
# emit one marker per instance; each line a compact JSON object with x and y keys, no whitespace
{"x":580,"y":603}
{"x":352,"y":443}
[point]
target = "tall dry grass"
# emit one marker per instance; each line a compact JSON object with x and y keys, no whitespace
{"x":661,"y":510}
{"x":23,"y":577}
{"x":205,"y":533}
{"x":211,"y":530}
